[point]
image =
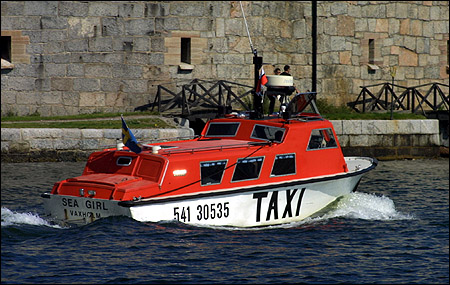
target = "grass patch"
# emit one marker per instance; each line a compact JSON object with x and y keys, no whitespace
{"x":37,"y":117}
{"x":112,"y":120}
{"x":86,"y":121}
{"x":151,"y":123}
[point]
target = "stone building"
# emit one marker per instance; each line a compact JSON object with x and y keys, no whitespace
{"x":71,"y":57}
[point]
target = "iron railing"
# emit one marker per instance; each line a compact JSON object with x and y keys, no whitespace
{"x":409,"y":98}
{"x":201,"y":93}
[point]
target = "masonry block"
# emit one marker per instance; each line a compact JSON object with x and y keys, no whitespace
{"x":344,"y":140}
{"x":358,"y":140}
{"x":91,"y":133}
{"x":41,"y":144}
{"x":19,"y":147}
{"x":429,"y":126}
{"x":92,"y":99}
{"x":73,"y":134}
{"x":352,"y":127}
{"x":9,"y":134}
{"x":373,"y":127}
{"x":66,"y":144}
{"x":44,"y":133}
{"x":90,"y":144}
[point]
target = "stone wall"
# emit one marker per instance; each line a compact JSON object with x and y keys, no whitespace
{"x":71,"y":57}
{"x":50,"y":144}
{"x":383,"y":139}
{"x":389,"y":139}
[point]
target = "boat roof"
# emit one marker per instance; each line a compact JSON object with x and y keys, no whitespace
{"x":241,"y":133}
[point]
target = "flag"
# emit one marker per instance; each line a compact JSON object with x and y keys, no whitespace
{"x":261,"y":82}
{"x":128,"y":138}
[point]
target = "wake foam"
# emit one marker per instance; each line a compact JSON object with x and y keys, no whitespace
{"x":365,"y":206}
{"x":10,"y":218}
{"x":356,"y":205}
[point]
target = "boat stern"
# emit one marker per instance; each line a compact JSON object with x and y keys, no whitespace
{"x":81,"y":210}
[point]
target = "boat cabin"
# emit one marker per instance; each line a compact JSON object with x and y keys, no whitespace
{"x":230,"y":153}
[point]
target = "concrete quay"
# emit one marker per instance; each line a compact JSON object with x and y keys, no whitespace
{"x":382,"y":139}
{"x":390,"y":139}
{"x":51,"y":144}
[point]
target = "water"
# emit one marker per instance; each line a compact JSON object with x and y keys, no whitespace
{"x":394,"y":229}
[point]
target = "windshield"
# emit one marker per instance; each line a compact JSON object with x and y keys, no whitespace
{"x":268,"y":133}
{"x":222,"y":129}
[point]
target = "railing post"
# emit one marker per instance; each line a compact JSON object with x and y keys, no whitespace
{"x":364,"y":100}
{"x":183,"y":100}
{"x":220,"y":93}
{"x":385,"y":87}
{"x":392,"y":102}
{"x":408,"y":100}
{"x":434,"y":97}
{"x":158,"y":97}
{"x":228,"y":101}
{"x":194,"y":87}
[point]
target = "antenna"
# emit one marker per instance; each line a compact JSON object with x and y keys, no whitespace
{"x":248,"y":33}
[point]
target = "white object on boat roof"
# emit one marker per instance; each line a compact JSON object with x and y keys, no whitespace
{"x":279,"y":80}
{"x":120,"y":145}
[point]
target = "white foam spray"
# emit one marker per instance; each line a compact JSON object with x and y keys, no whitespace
{"x":356,"y":205}
{"x":14,"y":218}
{"x":366,"y":206}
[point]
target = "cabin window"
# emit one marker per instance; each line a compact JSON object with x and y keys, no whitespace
{"x":247,"y":168}
{"x":269,"y":133}
{"x":124,"y":161}
{"x":212,"y":172}
{"x":284,"y":164}
{"x":222,"y":129}
{"x":321,"y":138}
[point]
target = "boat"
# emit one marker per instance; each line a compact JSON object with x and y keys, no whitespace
{"x":240,"y":172}
{"x":245,"y":169}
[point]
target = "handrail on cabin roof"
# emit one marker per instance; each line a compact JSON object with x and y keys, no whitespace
{"x":208,"y":148}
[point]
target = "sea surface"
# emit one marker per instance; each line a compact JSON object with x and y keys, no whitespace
{"x":394,"y":229}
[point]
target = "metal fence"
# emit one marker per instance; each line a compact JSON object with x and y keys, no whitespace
{"x":417,"y":99}
{"x":201,"y":95}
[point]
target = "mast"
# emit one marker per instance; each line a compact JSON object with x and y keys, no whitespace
{"x":257,"y":61}
{"x":314,"y":46}
{"x":257,"y":99}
